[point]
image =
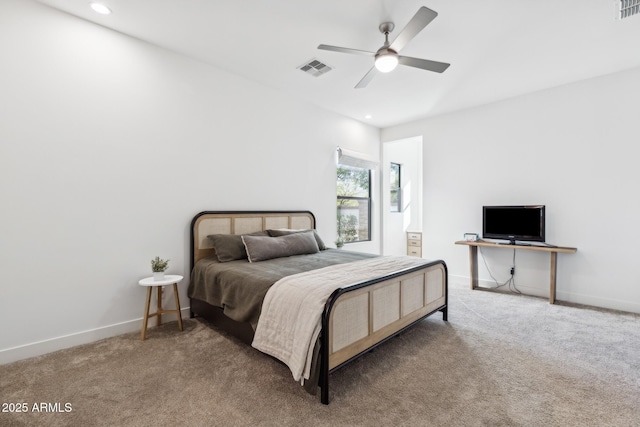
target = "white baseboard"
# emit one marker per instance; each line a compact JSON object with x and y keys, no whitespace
{"x":575,"y":298}
{"x":53,"y":344}
{"x":489,"y":284}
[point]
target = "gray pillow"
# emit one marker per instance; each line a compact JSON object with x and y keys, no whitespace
{"x":286,"y":231}
{"x":262,"y":248}
{"x":229,"y":247}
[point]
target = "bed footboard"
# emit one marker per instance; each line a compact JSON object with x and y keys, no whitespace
{"x":361,"y":317}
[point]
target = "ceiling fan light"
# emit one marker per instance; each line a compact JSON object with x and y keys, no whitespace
{"x":386,"y":62}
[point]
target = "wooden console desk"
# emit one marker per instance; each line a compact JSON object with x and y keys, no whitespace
{"x":553,"y":251}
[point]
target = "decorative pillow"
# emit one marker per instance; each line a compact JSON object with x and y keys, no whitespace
{"x":261,"y":248}
{"x":229,"y":247}
{"x":286,"y":231}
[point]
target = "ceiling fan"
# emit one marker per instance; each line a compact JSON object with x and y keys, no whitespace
{"x":387,"y":57}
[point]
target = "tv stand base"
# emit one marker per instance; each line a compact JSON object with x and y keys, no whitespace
{"x":553,"y":252}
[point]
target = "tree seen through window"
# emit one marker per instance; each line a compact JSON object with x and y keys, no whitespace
{"x":353,"y":204}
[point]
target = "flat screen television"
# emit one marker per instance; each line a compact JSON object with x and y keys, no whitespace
{"x":525,"y":223}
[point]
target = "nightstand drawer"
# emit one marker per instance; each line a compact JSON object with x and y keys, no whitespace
{"x":414,"y":243}
{"x":411,"y":251}
{"x":414,"y":236}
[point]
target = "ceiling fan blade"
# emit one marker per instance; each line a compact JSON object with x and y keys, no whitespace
{"x":367,"y":78}
{"x":424,"y":64}
{"x":421,"y":19}
{"x":345,"y":50}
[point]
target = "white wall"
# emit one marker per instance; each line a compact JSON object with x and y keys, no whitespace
{"x":407,"y":153}
{"x":572,"y":148}
{"x":109,"y":146}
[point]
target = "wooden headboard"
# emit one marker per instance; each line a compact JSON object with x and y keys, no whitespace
{"x":228,"y":222}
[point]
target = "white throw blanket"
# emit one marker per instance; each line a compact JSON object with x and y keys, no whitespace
{"x":291,"y":316}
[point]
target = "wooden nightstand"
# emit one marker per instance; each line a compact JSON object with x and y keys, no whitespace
{"x":414,"y":243}
{"x":149,"y":282}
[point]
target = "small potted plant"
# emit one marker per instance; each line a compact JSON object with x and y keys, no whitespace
{"x":158,"y":266}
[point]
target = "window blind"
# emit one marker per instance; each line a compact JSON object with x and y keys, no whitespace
{"x":356,"y":159}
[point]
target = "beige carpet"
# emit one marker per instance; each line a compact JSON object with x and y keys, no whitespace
{"x":501,"y":360}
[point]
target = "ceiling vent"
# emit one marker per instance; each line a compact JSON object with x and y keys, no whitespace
{"x":629,"y":8}
{"x":317,"y":68}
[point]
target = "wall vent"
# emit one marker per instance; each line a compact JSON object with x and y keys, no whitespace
{"x":317,"y":68}
{"x":629,"y":8}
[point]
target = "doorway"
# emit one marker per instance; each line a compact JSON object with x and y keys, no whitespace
{"x":396,"y":222}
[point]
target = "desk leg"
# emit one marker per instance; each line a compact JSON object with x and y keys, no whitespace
{"x":175,"y":295}
{"x":552,"y":281}
{"x":146,"y":314}
{"x":473,"y":263}
{"x":159,"y":305}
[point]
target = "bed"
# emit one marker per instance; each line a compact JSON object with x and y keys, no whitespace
{"x":367,"y":299}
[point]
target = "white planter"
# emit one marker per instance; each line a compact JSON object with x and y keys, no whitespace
{"x":158,"y":276}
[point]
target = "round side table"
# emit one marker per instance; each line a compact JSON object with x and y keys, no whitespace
{"x":149,"y":282}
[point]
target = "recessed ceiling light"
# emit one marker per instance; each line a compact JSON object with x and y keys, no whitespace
{"x":100,"y":8}
{"x":368,"y":116}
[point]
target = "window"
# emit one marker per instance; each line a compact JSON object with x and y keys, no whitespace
{"x":354,"y":204}
{"x":394,"y":186}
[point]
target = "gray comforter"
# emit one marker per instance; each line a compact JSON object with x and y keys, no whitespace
{"x":239,"y":287}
